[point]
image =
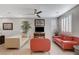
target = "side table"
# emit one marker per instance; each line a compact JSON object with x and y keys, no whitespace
{"x":76,"y":49}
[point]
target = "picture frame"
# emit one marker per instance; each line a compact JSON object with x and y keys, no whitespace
{"x":39,"y":22}
{"x":7,"y":26}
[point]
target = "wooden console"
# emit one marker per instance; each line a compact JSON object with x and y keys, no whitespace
{"x":39,"y":34}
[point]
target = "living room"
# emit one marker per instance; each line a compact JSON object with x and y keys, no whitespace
{"x":46,"y":17}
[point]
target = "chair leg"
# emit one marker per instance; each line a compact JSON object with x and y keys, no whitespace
{"x":31,"y":52}
{"x":49,"y":52}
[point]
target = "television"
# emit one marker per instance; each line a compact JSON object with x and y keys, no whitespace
{"x":39,"y":29}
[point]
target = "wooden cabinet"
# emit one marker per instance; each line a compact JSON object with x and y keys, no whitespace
{"x":39,"y":34}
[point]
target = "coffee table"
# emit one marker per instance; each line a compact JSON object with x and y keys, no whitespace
{"x":76,"y":49}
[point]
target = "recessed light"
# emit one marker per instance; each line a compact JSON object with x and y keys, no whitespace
{"x":57,"y":12}
{"x":9,"y":12}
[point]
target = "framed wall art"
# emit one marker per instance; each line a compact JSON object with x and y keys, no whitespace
{"x":7,"y":26}
{"x":39,"y":22}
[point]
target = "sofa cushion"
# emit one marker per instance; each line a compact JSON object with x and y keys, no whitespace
{"x":59,"y":40}
{"x":62,"y":36}
{"x":76,"y":39}
{"x":67,"y":38}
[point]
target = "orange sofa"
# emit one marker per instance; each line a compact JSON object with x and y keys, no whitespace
{"x":40,"y":44}
{"x":66,"y":42}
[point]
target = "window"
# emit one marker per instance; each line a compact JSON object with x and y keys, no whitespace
{"x":66,"y":23}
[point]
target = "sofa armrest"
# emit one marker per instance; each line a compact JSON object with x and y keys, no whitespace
{"x":70,"y":42}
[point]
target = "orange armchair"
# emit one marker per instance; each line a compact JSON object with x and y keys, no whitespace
{"x":40,"y":44}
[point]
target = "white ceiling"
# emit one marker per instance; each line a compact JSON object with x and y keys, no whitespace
{"x":24,"y":10}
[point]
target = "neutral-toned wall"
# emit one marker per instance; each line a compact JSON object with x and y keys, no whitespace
{"x":17,"y":22}
{"x":50,"y":26}
{"x":54,"y":26}
{"x":75,"y":20}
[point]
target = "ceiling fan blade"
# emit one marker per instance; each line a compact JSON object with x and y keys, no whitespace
{"x":38,"y":16}
{"x":39,"y":12}
{"x":35,"y":10}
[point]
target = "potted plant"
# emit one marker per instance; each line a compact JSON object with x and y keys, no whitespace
{"x":56,"y":33}
{"x":25,"y":27}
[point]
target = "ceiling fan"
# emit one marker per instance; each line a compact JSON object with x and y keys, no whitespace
{"x":37,"y":13}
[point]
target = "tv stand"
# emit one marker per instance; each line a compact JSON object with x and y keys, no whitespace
{"x":39,"y":34}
